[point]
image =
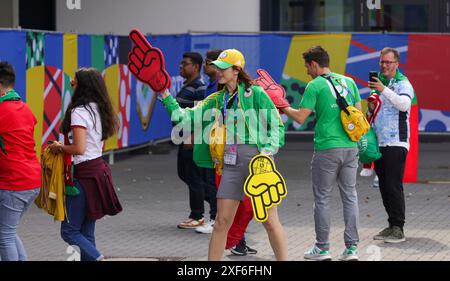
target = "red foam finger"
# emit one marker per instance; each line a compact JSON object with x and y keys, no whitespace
{"x":283,"y":103}
{"x":147,"y":63}
{"x":139,"y":53}
{"x":265,"y":75}
{"x":159,"y":82}
{"x":154,"y":56}
{"x":133,"y":68}
{"x":261,"y":82}
{"x":139,"y":40}
{"x":134,"y":59}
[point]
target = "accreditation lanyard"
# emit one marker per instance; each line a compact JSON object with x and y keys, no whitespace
{"x":228,"y":103}
{"x":230,"y":154}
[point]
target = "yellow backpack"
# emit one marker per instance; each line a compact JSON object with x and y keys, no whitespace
{"x":353,"y":120}
{"x":354,"y":123}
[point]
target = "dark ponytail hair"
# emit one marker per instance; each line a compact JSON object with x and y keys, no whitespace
{"x":92,"y":88}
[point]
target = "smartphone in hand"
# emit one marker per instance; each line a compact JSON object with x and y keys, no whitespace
{"x":373,"y":74}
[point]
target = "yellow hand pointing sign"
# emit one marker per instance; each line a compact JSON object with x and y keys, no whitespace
{"x":265,"y":186}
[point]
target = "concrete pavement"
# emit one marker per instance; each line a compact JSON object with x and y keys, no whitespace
{"x":155,"y":201}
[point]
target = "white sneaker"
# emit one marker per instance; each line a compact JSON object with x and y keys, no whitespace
{"x":366,"y":172}
{"x":206,"y":228}
{"x":376,"y":182}
{"x":315,"y":253}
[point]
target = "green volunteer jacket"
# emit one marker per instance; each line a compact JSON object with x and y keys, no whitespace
{"x":251,"y":103}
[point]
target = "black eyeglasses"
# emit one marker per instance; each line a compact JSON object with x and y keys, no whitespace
{"x":387,"y":62}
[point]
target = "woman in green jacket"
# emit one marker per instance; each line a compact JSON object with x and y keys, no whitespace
{"x":253,"y":126}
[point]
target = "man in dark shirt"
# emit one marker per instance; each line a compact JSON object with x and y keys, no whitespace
{"x":193,"y":90}
{"x":208,"y":174}
{"x":210,"y":70}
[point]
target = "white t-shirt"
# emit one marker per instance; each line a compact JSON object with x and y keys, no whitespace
{"x":82,"y":117}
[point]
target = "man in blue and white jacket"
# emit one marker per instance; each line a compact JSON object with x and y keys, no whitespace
{"x":392,"y":129}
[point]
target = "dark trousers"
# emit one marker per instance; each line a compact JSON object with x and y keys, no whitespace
{"x":190,"y":174}
{"x":390,"y":168}
{"x":209,"y":186}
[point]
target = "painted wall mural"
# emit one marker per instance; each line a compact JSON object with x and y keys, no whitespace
{"x":45,"y":63}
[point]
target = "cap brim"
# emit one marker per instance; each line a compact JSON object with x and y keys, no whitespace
{"x":221,"y":64}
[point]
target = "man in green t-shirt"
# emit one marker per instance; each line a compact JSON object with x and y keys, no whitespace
{"x":335,"y":159}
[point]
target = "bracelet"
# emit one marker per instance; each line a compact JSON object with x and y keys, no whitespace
{"x":61,"y":149}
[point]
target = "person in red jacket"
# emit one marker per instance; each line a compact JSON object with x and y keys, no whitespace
{"x":20,"y":171}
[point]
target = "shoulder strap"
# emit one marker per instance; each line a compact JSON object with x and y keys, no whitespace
{"x":348,"y":90}
{"x":341,"y":102}
{"x":328,"y":77}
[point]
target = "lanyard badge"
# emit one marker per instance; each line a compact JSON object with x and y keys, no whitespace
{"x":230,"y":155}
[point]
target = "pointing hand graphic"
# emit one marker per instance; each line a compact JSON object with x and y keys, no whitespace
{"x":265,"y":186}
{"x":147,"y":63}
{"x":275,"y":91}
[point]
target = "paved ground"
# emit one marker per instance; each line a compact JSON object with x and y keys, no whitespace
{"x":155,"y":200}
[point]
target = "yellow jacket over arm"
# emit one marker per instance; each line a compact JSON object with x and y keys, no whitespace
{"x":51,"y":196}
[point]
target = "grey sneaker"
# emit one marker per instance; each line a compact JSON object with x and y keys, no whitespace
{"x":317,"y":254}
{"x":383,"y":234}
{"x":396,"y":236}
{"x":350,"y":254}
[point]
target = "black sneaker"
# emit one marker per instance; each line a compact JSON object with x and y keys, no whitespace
{"x":239,"y":250}
{"x":250,"y":251}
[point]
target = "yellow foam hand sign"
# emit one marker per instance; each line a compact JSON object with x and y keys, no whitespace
{"x":265,"y":186}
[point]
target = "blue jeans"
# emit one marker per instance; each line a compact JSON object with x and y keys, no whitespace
{"x":77,"y":229}
{"x":13,"y":204}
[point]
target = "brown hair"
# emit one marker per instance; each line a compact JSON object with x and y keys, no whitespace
{"x":243,"y":77}
{"x":388,"y":50}
{"x":317,"y":54}
{"x":7,"y":74}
